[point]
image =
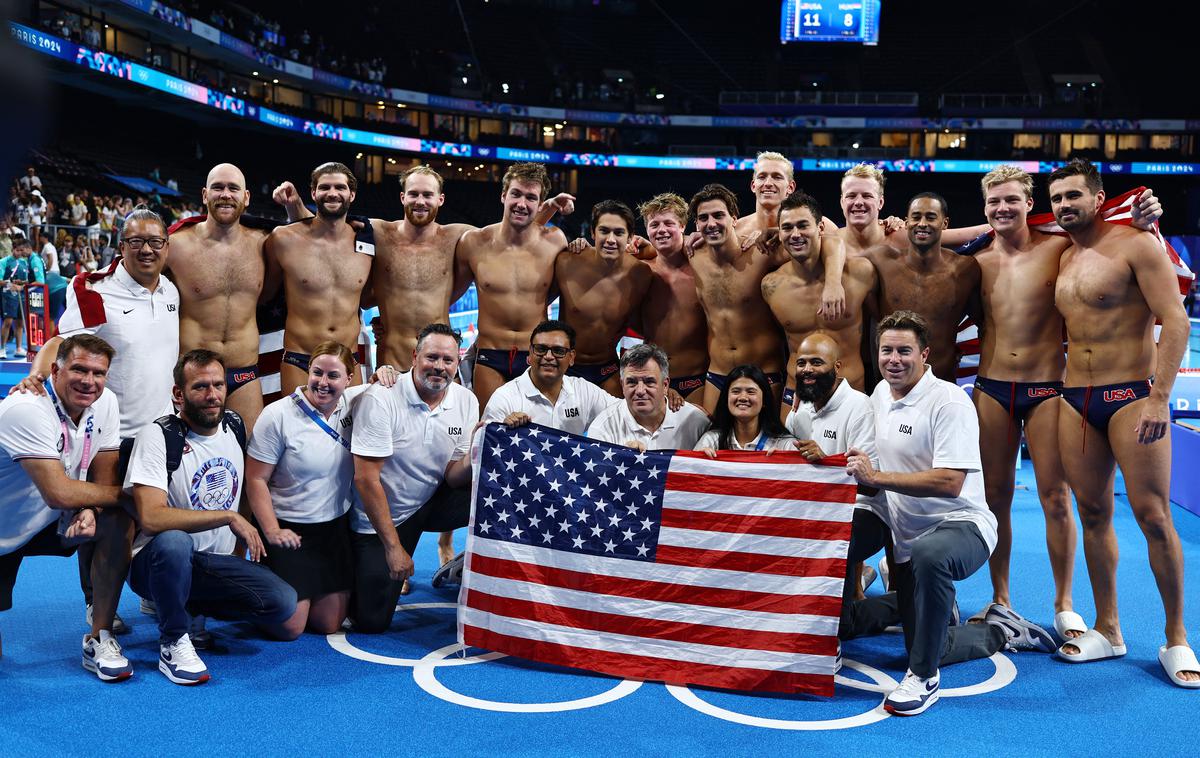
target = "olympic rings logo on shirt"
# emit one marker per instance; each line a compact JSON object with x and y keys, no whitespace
{"x":425,"y":676}
{"x":214,"y":486}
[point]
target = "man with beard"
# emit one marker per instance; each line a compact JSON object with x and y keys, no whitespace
{"x":599,"y":290}
{"x":324,"y":271}
{"x":189,"y":523}
{"x":217,"y":264}
{"x":411,"y":470}
{"x":793,"y":291}
{"x":1112,"y":285}
{"x":929,"y":280}
{"x":830,"y":418}
{"x":512,"y":263}
{"x":415,"y":276}
{"x":671,"y":314}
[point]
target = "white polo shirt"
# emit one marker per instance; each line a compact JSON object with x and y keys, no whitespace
{"x":708,"y":441}
{"x":313,"y":480}
{"x":933,"y":426}
{"x":210,"y":477}
{"x":417,"y":441}
{"x":30,"y":428}
{"x":579,"y":403}
{"x":143,"y":327}
{"x":680,"y":430}
{"x":846,"y":421}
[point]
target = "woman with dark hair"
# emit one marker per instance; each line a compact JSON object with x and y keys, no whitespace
{"x":744,"y":419}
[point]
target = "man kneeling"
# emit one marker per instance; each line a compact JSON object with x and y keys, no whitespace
{"x":927,"y":443}
{"x":186,"y":473}
{"x":58,"y":455}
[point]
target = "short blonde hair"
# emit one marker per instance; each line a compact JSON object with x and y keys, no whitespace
{"x":667,"y":202}
{"x":769,"y":155}
{"x":865,"y":171}
{"x":1006,"y":173}
{"x":421,"y":169}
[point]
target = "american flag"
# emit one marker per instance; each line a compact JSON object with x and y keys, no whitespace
{"x":658,"y":565}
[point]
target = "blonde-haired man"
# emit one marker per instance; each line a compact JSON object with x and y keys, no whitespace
{"x":671,"y":315}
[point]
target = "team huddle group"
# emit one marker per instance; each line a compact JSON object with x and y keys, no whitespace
{"x":141,"y":431}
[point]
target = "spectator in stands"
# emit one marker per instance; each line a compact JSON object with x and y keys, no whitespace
{"x":105,"y":252}
{"x":76,"y":211}
{"x":91,"y":36}
{"x":49,"y":254}
{"x":6,"y":232}
{"x":87,"y":255}
{"x":39,"y":209}
{"x":30,"y":181}
{"x":108,"y":212}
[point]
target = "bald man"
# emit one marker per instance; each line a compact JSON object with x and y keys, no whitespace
{"x":829,"y":418}
{"x":217,"y":264}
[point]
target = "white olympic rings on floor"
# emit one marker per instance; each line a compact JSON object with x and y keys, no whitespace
{"x":425,"y":675}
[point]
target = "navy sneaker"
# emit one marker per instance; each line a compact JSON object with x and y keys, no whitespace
{"x":1021,"y":634}
{"x":913,"y":696}
{"x":179,"y":663}
{"x":451,"y":571}
{"x":102,"y":656}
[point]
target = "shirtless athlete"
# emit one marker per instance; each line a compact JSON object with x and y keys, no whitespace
{"x":324,"y":273}
{"x":512,"y":263}
{"x":1113,"y":283}
{"x":793,"y":291}
{"x":671,"y":315}
{"x":930,"y":280}
{"x":600,"y":289}
{"x":217,"y":265}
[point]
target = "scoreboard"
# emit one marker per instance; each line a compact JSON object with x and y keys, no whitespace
{"x":830,"y":21}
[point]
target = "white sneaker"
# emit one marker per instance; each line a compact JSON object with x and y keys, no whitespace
{"x":103,"y":658}
{"x":118,"y":625}
{"x":20,"y":353}
{"x":3,"y":355}
{"x":179,"y":663}
{"x":913,"y":696}
{"x":885,"y":573}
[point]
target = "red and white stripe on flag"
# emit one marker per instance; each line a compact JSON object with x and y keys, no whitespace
{"x":677,"y":568}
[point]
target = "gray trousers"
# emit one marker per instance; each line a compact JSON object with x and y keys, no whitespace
{"x":923,"y":597}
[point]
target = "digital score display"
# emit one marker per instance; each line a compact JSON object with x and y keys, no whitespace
{"x":826,"y":21}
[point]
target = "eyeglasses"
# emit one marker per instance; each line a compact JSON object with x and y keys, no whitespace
{"x":557,"y":350}
{"x":136,"y":243}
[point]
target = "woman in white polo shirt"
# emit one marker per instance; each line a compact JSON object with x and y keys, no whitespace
{"x":742,"y":420}
{"x":300,"y":483}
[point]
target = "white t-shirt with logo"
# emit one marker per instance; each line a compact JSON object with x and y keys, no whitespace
{"x":846,"y":421}
{"x":933,"y":426}
{"x":680,"y":430}
{"x":210,"y":477}
{"x":579,"y":403}
{"x":313,"y":480}
{"x":417,"y":442}
{"x":30,"y":428}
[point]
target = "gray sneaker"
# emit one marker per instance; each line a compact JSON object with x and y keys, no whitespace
{"x":118,"y":625}
{"x":1021,"y":634}
{"x":868,"y":577}
{"x":147,"y":607}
